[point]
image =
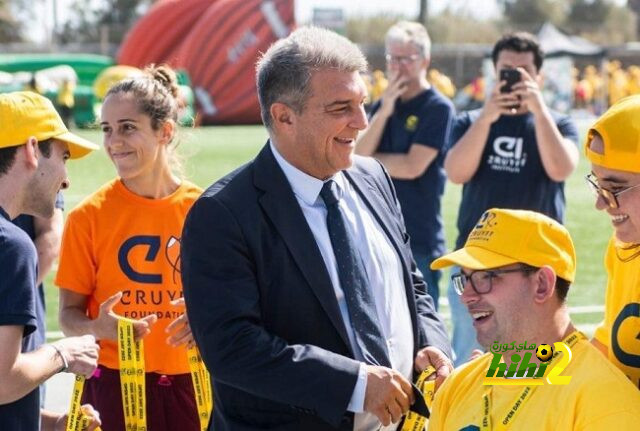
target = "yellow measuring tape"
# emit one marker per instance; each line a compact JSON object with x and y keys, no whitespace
{"x":201,"y":387}
{"x":132,"y":381}
{"x":77,"y":420}
{"x":413,"y":421}
{"x":132,"y":384}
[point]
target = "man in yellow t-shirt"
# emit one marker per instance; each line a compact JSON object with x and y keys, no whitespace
{"x":517,"y":267}
{"x":613,"y":147}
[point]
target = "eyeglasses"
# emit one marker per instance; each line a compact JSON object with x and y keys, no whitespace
{"x":401,"y":59}
{"x":481,"y":280}
{"x":609,"y":197}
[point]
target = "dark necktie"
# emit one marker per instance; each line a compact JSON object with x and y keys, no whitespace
{"x":353,"y":280}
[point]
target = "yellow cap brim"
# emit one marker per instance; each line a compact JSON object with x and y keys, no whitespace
{"x":473,"y":258}
{"x":78,"y":147}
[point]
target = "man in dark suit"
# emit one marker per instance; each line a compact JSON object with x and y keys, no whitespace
{"x":301,"y":290}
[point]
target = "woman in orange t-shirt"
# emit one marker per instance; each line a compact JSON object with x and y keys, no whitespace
{"x":120,"y":256}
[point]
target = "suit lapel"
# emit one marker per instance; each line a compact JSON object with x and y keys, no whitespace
{"x":281,"y":207}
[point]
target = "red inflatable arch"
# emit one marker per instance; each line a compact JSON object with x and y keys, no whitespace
{"x":221,"y":51}
{"x":156,"y":37}
{"x":218,"y":43}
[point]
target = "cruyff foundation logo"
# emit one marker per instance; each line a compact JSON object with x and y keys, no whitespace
{"x":508,"y":155}
{"x":411,"y":124}
{"x":172,"y":252}
{"x":152,"y":243}
{"x":487,"y":221}
{"x":483,"y":230}
{"x":521,"y":366}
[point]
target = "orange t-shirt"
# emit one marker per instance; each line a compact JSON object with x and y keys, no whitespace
{"x":114,"y":241}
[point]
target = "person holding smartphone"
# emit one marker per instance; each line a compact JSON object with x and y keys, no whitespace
{"x":512,"y":153}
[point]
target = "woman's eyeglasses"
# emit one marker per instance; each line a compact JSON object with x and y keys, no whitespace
{"x":609,"y":197}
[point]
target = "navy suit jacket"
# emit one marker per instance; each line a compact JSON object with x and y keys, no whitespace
{"x":262,"y":307}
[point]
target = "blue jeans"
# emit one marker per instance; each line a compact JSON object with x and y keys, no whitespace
{"x":464,"y":335}
{"x":432,"y":278}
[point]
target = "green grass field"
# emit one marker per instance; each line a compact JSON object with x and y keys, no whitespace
{"x":210,"y":152}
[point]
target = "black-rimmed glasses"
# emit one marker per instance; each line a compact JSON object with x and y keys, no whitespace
{"x":481,"y":280}
{"x":609,"y":197}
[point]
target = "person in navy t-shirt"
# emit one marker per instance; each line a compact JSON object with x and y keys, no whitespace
{"x":513,"y":153}
{"x":408,"y":130}
{"x":46,"y":234}
{"x":34,"y":147}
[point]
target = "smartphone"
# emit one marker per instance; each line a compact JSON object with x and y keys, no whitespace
{"x":511,"y":77}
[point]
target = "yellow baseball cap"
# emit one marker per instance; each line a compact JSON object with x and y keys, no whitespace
{"x":504,"y":237}
{"x":619,"y":128}
{"x":24,"y":114}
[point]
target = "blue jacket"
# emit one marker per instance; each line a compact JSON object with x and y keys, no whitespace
{"x":262,"y":307}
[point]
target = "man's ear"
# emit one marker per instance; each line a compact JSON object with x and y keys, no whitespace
{"x":282,"y":116}
{"x":545,"y":284}
{"x":31,"y":153}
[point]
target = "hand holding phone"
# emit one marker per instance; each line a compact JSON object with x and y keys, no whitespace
{"x":511,"y":77}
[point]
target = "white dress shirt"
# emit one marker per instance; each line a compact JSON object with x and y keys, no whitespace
{"x":384,"y":273}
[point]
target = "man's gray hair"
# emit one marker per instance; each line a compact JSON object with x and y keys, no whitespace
{"x":410,"y":32}
{"x":283,"y":73}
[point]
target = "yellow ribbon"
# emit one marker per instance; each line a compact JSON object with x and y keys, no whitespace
{"x":201,"y":387}
{"x":132,"y":385}
{"x":413,"y":421}
{"x":132,"y":377}
{"x":77,"y":419}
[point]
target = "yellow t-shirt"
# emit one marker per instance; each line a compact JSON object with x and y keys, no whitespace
{"x":599,"y":397}
{"x":116,"y":241}
{"x":620,"y":330}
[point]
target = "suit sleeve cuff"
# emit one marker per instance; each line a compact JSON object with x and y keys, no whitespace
{"x":356,"y":404}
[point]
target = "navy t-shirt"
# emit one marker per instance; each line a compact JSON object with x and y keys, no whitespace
{"x":18,"y":266}
{"x":510,"y":174}
{"x":26,"y":223}
{"x":425,"y":120}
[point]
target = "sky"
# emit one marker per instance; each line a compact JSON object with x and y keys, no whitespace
{"x":480,"y":8}
{"x":303,"y":10}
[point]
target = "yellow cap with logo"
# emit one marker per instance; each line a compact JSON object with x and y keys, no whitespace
{"x":504,"y":237}
{"x":24,"y":114}
{"x":619,"y":129}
